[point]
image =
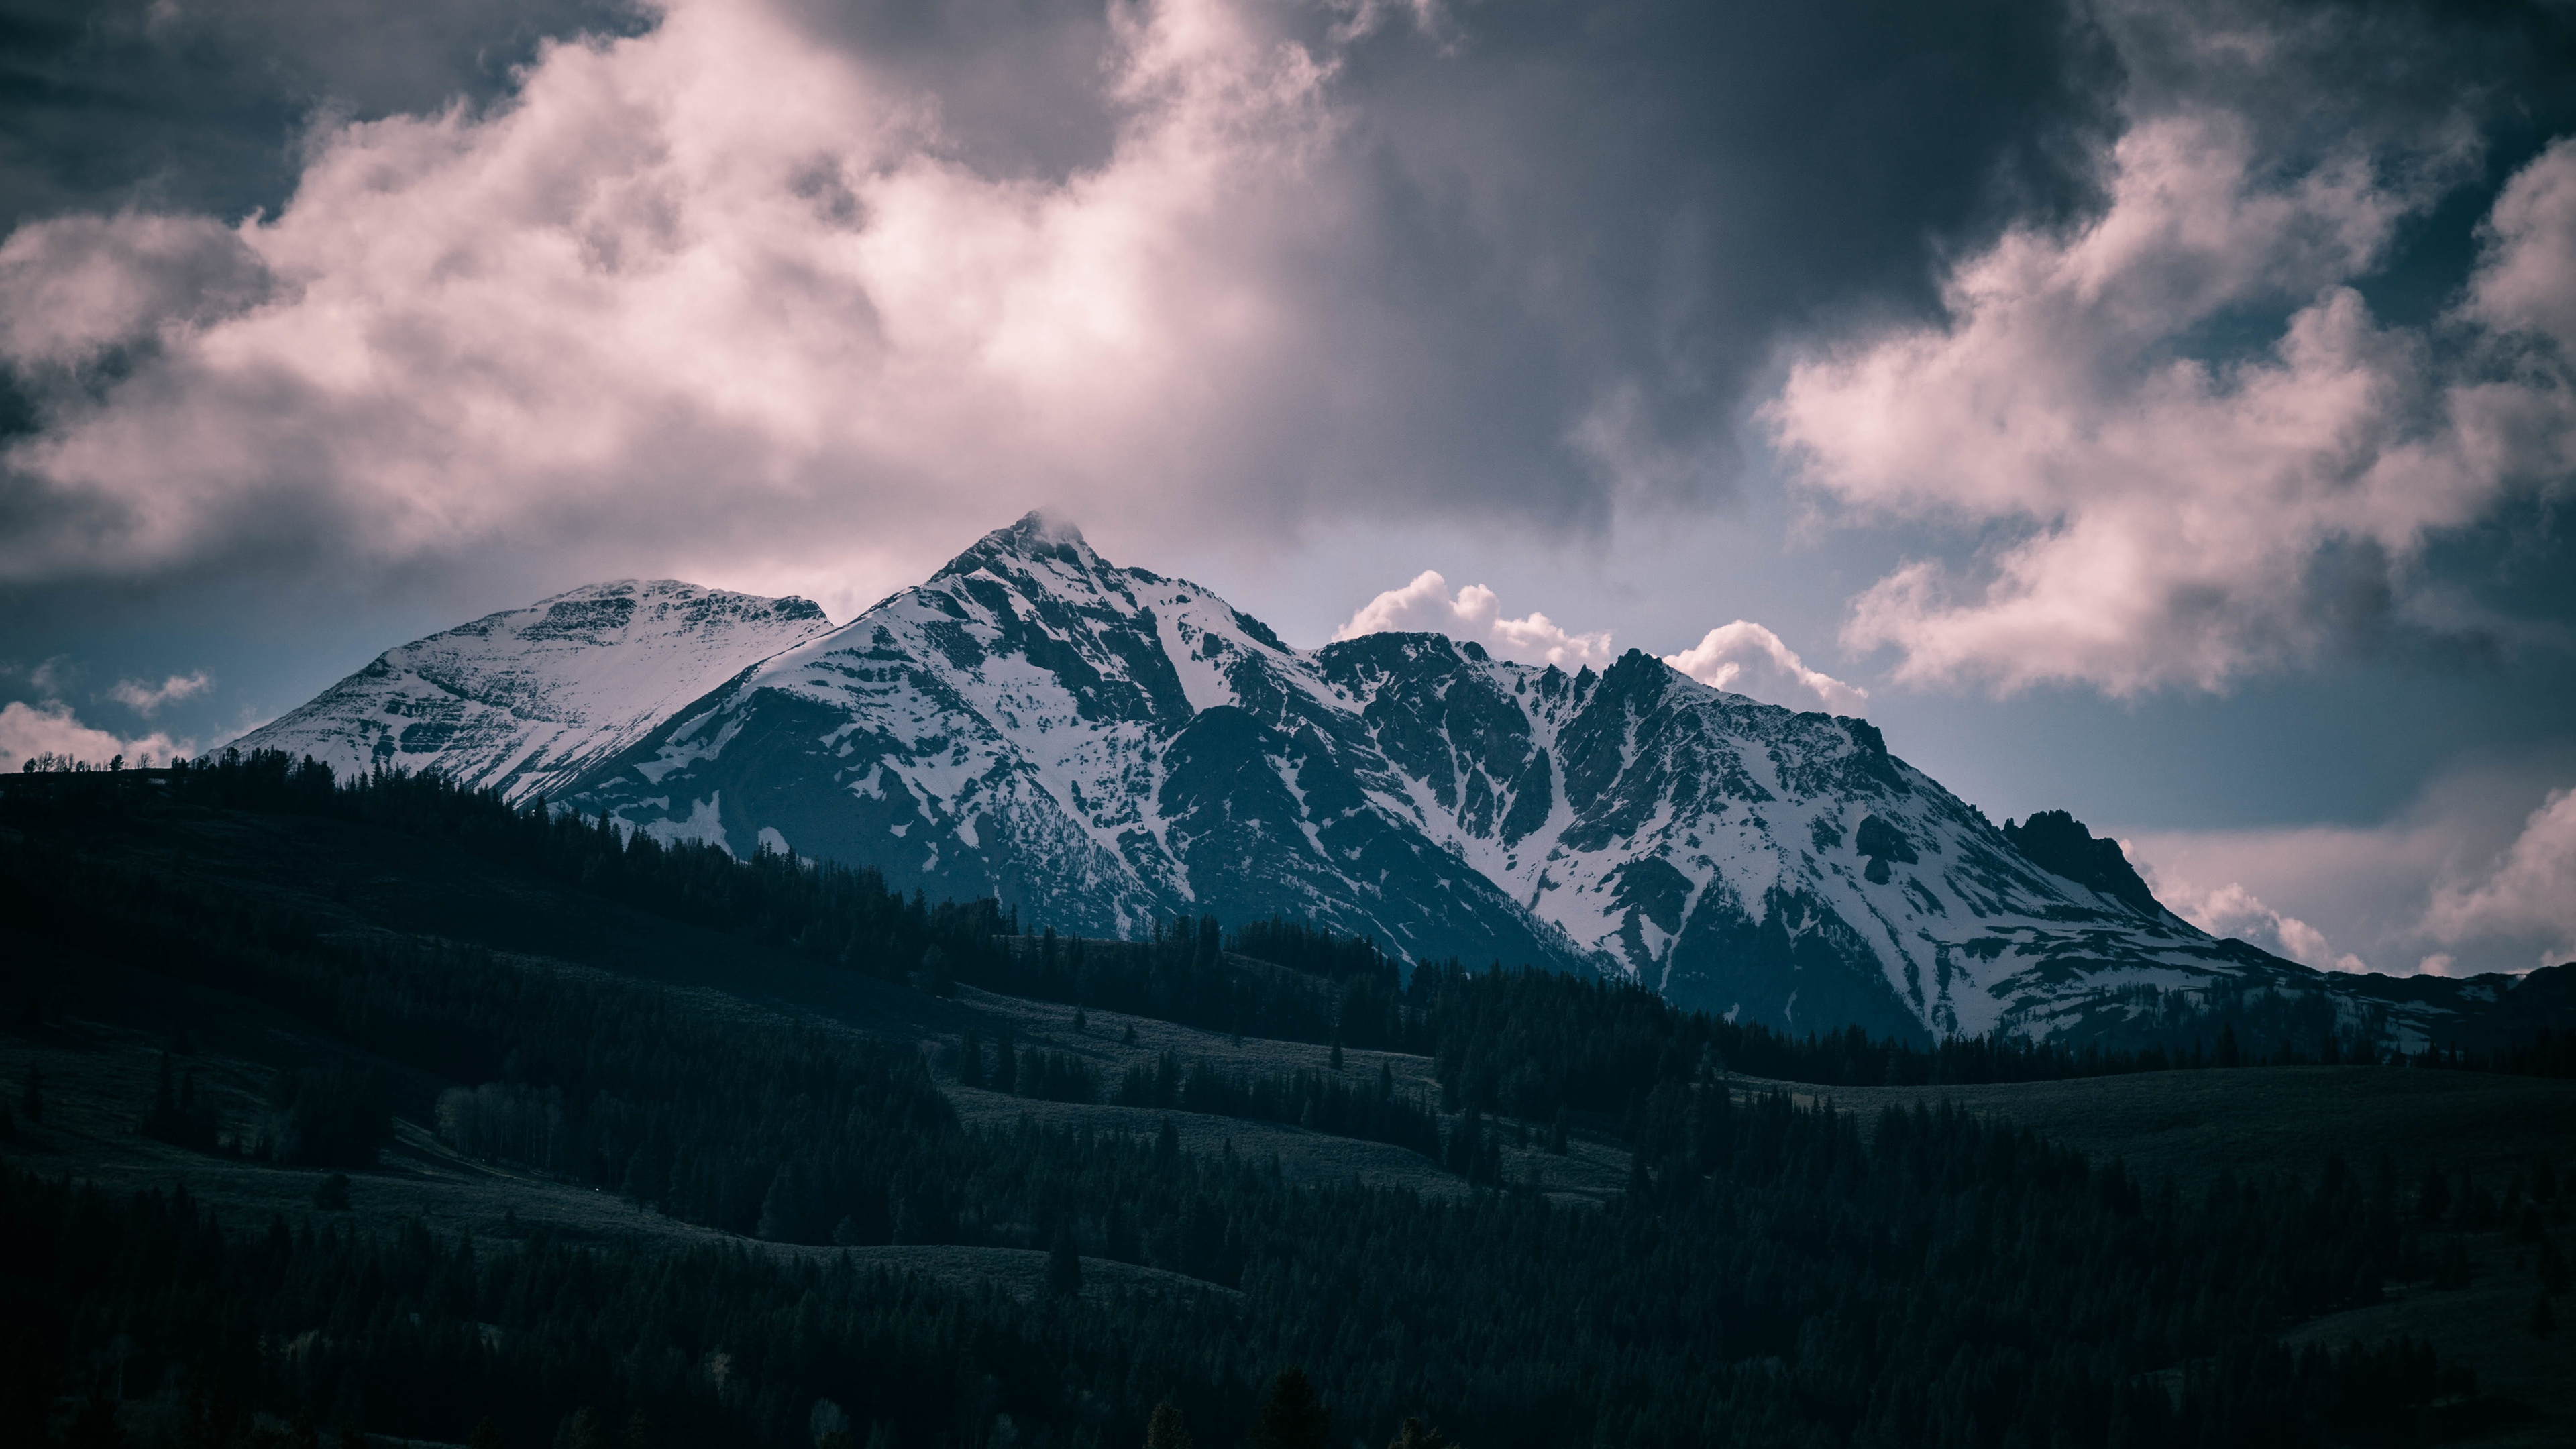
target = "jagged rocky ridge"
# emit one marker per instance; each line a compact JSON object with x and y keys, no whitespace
{"x":1102,"y":745}
{"x":527,"y":699}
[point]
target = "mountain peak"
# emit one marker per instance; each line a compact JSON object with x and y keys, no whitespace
{"x":525,"y":699}
{"x":2057,"y":842}
{"x":1037,"y":535}
{"x":1041,"y":527}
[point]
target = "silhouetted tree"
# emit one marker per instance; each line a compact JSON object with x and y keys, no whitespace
{"x":1064,"y":1266}
{"x":1165,"y":1429}
{"x":1292,"y":1416}
{"x":1412,"y":1435}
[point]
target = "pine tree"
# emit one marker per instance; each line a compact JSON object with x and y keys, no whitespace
{"x":1337,"y":1052}
{"x":2552,"y":1267}
{"x":163,"y":1120}
{"x":197,"y":1124}
{"x":583,"y":1429}
{"x":95,"y":1426}
{"x":1064,"y":1266}
{"x":2435,"y":1200}
{"x":778,"y":1208}
{"x":1292,"y":1415}
{"x":1412,"y":1435}
{"x":486,"y":1435}
{"x":1165,"y":1429}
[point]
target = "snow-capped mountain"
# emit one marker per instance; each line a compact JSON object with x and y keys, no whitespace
{"x":530,"y":698}
{"x":1101,"y":745}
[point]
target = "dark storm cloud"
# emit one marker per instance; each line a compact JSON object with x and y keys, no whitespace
{"x":1255,"y":263}
{"x":1594,"y":220}
{"x":2182,"y":443}
{"x":776,"y":281}
{"x":196,"y":105}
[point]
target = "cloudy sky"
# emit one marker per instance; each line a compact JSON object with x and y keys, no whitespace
{"x":2165,"y":412}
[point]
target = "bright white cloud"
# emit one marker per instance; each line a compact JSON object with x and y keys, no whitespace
{"x":717,"y":283}
{"x":1745,"y":658}
{"x":2530,"y":890}
{"x":147,"y":699}
{"x":2163,"y":519}
{"x":1742,"y":657}
{"x":1474,"y":613}
{"x":50,"y":728}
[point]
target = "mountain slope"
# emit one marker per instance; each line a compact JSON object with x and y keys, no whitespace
{"x":529,"y":698}
{"x":1103,"y":746}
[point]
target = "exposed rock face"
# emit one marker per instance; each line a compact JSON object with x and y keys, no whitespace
{"x":2056,"y":841}
{"x":1102,"y":746}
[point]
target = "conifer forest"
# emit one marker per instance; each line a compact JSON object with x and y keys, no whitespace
{"x":978,"y":1208}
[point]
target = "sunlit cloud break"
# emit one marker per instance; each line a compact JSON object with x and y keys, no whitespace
{"x":2192,"y":522}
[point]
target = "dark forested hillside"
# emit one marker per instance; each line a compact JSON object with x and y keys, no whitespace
{"x":1775,"y":1273}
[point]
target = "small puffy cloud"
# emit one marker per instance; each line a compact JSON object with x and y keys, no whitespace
{"x":2527,"y":280}
{"x":147,"y":699}
{"x":1742,"y":657}
{"x":2530,"y":890}
{"x":2152,"y":517}
{"x":1746,"y":658}
{"x":50,"y":728}
{"x":51,"y":677}
{"x":1475,"y":613}
{"x":2232,"y":910}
